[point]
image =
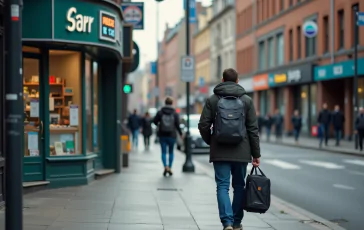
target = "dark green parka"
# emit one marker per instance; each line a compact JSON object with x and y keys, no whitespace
{"x":249,"y":147}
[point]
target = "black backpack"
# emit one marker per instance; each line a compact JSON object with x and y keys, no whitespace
{"x":167,"y":123}
{"x":257,"y":192}
{"x":229,"y":123}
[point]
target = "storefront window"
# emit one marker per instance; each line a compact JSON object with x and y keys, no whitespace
{"x":313,"y":103}
{"x":65,"y":103}
{"x":280,"y":100}
{"x":88,"y":84}
{"x":304,"y":110}
{"x":96,"y":136}
{"x":361,"y":92}
{"x":263,"y":102}
{"x":269,"y":105}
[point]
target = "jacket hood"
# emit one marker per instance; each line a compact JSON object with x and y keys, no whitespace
{"x":168,"y":109}
{"x":229,"y":89}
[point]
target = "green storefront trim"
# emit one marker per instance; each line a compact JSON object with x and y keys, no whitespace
{"x":76,"y":25}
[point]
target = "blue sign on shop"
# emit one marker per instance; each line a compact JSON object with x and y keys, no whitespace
{"x":153,"y":67}
{"x":338,"y":70}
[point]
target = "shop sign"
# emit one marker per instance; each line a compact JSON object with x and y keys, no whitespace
{"x":310,"y":29}
{"x":260,"y":82}
{"x":134,"y":14}
{"x":74,"y":21}
{"x":247,"y":84}
{"x":292,"y":76}
{"x":338,"y":70}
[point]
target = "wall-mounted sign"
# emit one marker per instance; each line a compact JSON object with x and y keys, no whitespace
{"x":310,"y":29}
{"x":109,"y":27}
{"x":80,"y":23}
{"x":338,"y":70}
{"x":260,"y":82}
{"x":291,"y":76}
{"x":134,"y":14}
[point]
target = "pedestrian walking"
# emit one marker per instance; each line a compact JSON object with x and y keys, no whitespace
{"x":260,"y":122}
{"x":297,"y":124}
{"x":147,"y":130}
{"x":268,"y":125}
{"x":134,"y":123}
{"x":229,"y":153}
{"x":338,"y":120}
{"x":359,"y":128}
{"x":324,"y":121}
{"x":168,"y":123}
{"x":278,"y":125}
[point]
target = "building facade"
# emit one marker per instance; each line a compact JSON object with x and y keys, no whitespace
{"x":72,"y":69}
{"x":202,"y":43}
{"x":222,"y":49}
{"x":292,"y":71}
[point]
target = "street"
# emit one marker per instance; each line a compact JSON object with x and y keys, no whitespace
{"x":326,"y":184}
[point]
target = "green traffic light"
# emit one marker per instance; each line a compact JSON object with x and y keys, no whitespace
{"x":127,"y":89}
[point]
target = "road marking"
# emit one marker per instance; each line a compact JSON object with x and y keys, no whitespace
{"x":282,"y":164}
{"x":341,"y":186}
{"x":356,"y":173}
{"x":323,"y":164}
{"x":355,"y":162}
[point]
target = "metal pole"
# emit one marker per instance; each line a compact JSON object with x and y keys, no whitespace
{"x":156,"y":62}
{"x":356,"y":39}
{"x":14,"y":127}
{"x":188,"y":165}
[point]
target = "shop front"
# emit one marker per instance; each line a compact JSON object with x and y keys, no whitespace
{"x":291,"y":89}
{"x":260,"y":98}
{"x":247,"y":84}
{"x":335,"y":86}
{"x":71,"y":82}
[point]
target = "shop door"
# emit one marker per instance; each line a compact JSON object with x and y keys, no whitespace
{"x":33,"y":119}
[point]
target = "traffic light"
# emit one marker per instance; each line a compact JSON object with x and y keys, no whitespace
{"x":128,"y":88}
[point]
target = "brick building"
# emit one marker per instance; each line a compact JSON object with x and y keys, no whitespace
{"x":288,"y":70}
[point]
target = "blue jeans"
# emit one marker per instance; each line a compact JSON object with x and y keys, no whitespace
{"x":325,"y":134}
{"x":296,"y":133}
{"x":167,"y":142}
{"x":338,"y":136}
{"x":268,"y":133}
{"x":230,"y":214}
{"x":135,"y":134}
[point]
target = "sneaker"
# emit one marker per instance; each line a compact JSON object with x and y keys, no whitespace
{"x":228,"y":228}
{"x":238,"y":228}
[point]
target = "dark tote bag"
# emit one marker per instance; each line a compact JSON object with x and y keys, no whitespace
{"x":257,"y":192}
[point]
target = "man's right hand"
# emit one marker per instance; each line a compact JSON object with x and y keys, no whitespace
{"x":256,"y":162}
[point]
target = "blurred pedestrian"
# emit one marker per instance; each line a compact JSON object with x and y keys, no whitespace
{"x":278,"y":125}
{"x":268,"y":125}
{"x":260,"y":122}
{"x":338,"y":120}
{"x":359,"y":128}
{"x":134,"y":123}
{"x":167,"y":121}
{"x":230,"y":155}
{"x":147,"y":130}
{"x":324,"y":120}
{"x":297,"y":124}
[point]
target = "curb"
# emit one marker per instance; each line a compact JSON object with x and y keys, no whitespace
{"x":294,"y":210}
{"x":335,"y":151}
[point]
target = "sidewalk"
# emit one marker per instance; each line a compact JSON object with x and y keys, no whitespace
{"x":346,"y":147}
{"x":141,"y":198}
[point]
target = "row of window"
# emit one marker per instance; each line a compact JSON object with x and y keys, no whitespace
{"x":244,"y":20}
{"x":271,"y":52}
{"x":246,"y":56}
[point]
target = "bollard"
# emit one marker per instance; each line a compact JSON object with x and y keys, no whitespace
{"x":125,"y":149}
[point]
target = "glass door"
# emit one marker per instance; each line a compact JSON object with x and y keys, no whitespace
{"x":33,"y":119}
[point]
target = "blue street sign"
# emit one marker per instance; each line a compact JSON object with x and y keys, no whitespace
{"x":153,"y":67}
{"x":193,"y":18}
{"x":201,"y":82}
{"x":360,"y":18}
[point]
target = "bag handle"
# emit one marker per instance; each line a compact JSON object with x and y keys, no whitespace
{"x":254,"y":169}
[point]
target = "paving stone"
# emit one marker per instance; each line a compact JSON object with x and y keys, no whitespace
{"x":135,"y":226}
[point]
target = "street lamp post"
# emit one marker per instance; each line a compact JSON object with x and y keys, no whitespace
{"x":14,"y":127}
{"x":188,"y":165}
{"x":156,"y":62}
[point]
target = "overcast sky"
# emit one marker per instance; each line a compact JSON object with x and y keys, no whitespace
{"x":170,"y":11}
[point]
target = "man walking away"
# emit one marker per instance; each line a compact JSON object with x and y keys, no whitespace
{"x":147,"y":130}
{"x":278,"y":122}
{"x":233,"y":143}
{"x":167,"y":121}
{"x":324,"y":120}
{"x":134,"y":126}
{"x":338,"y":120}
{"x":359,"y":127}
{"x":297,"y":124}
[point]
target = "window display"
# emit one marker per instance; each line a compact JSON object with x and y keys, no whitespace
{"x":88,"y":84}
{"x":96,"y":131}
{"x":65,"y":103}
